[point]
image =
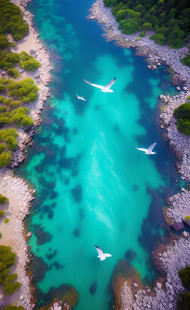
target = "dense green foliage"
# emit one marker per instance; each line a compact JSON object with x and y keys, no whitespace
{"x":2,"y":213}
{"x":182,"y":114}
{"x":4,"y":43}
{"x":13,"y":308}
{"x":3,"y":199}
{"x":183,"y":302}
{"x":169,"y":19}
{"x":184,"y":275}
{"x":13,"y":73}
{"x":28,"y":62}
{"x":186,"y":60}
{"x":24,"y":90}
{"x":11,"y":20}
{"x":6,"y":221}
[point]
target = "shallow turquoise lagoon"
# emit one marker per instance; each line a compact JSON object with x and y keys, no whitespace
{"x":93,"y":185}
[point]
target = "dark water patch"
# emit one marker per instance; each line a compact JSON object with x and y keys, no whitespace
{"x":136,"y":187}
{"x":75,"y":131}
{"x":76,"y":232}
{"x":67,"y":181}
{"x":130,"y":255}
{"x":51,"y":255}
{"x":77,"y":193}
{"x":116,"y":128}
{"x":93,"y":288}
{"x":58,"y":265}
{"x":39,"y":268}
{"x":81,"y":214}
{"x":97,"y":107}
{"x":41,"y":235}
{"x":53,"y":194}
{"x":64,"y":292}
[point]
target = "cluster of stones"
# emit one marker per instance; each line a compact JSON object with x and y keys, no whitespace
{"x":25,"y":196}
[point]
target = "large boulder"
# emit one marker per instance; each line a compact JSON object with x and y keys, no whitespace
{"x":177,"y":226}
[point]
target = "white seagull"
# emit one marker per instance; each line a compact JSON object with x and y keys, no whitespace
{"x":149,"y":150}
{"x":80,"y":98}
{"x":104,"y":89}
{"x":102,"y":255}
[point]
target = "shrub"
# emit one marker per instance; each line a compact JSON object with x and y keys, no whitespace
{"x":10,"y":288}
{"x":2,"y":149}
{"x":7,"y":257}
{"x":13,"y":72}
{"x":142,"y":34}
{"x":23,"y":89}
{"x":30,"y":65}
{"x":182,"y":114}
{"x":24,"y":56}
{"x":2,"y":213}
{"x":2,"y":88}
{"x":4,"y":43}
{"x":186,"y":60}
{"x":3,"y":200}
{"x":187,"y":217}
{"x":10,"y":279}
{"x":13,"y":308}
{"x":5,"y":159}
{"x":6,"y":221}
{"x":0,"y":235}
{"x":184,"y":275}
{"x":8,"y":60}
{"x":183,"y":302}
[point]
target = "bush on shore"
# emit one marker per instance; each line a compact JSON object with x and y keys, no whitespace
{"x":3,"y":200}
{"x":186,"y":60}
{"x":184,"y":275}
{"x":13,"y":308}
{"x":2,"y":213}
{"x":182,"y":114}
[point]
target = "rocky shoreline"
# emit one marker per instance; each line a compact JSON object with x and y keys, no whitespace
{"x":169,"y":258}
{"x":15,"y":188}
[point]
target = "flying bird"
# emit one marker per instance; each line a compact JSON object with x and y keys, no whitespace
{"x":80,"y":98}
{"x":102,"y":255}
{"x":104,"y":89}
{"x":149,"y":150}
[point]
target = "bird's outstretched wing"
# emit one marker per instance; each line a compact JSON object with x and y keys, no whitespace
{"x":151,"y":147}
{"x":100,"y":253}
{"x":95,"y":85}
{"x":110,"y":83}
{"x":108,"y":255}
{"x":140,"y":149}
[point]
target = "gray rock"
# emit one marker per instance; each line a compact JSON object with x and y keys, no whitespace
{"x":178,"y":226}
{"x":159,"y":285}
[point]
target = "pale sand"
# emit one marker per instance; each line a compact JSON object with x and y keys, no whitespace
{"x":12,"y":233}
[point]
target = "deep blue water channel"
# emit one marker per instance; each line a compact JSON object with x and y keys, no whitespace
{"x":93,"y":185}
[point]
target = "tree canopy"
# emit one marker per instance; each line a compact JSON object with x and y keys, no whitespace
{"x":169,"y":19}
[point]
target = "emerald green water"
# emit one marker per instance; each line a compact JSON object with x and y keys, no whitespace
{"x":93,"y":185}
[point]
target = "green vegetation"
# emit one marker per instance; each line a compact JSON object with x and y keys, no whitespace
{"x":7,"y":260}
{"x":184,"y":275}
{"x":28,"y":62}
{"x":4,"y":43}
{"x":169,"y":19}
{"x":15,"y":94}
{"x":142,"y":34}
{"x":182,"y":114}
{"x":183,"y":302}
{"x":11,"y":20}
{"x":13,"y":308}
{"x":24,"y":90}
{"x":6,"y":221}
{"x":0,"y":235}
{"x":187,"y":217}
{"x":186,"y":60}
{"x":13,"y":73}
{"x":2,"y":213}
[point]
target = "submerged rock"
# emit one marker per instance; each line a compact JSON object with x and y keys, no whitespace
{"x":177,"y":226}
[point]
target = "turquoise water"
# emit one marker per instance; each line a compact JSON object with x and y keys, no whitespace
{"x":93,"y":185}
